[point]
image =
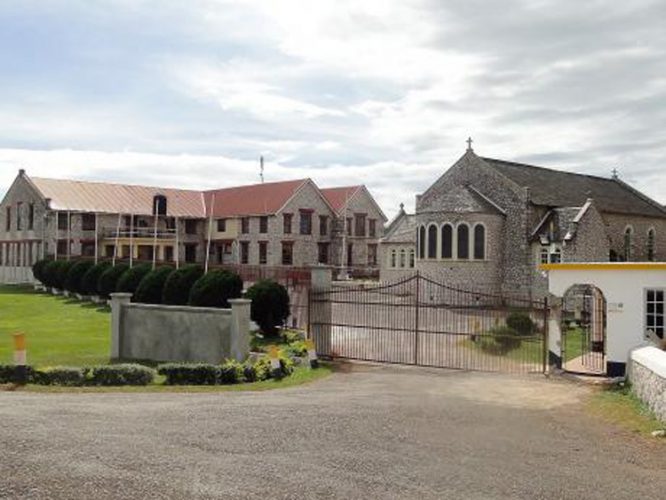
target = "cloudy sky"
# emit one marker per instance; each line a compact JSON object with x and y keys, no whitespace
{"x":190,"y":94}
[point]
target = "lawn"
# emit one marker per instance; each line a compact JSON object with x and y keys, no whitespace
{"x":573,"y":343}
{"x":59,"y":331}
{"x":617,"y":404}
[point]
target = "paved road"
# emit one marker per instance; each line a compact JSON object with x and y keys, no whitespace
{"x":374,"y":433}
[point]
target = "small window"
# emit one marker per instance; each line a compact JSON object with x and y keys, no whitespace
{"x":372,"y":227}
{"x":463,"y":241}
{"x":109,"y":250}
{"x":628,"y":243}
{"x":19,"y":214}
{"x":447,"y":241}
{"x":221,"y":225}
{"x":654,"y":312}
{"x":411,"y":258}
{"x":168,"y":253}
{"x":305,"y":222}
{"x":393,"y":258}
{"x":62,"y":247}
{"x":245,"y":225}
{"x":323,"y":225}
{"x":159,"y":205}
{"x":479,"y":242}
{"x":322,"y":251}
{"x":350,"y":222}
{"x":263,"y":252}
{"x":88,"y":222}
{"x":8,"y":219}
{"x":263,"y":224}
{"x":544,"y":255}
{"x":359,"y":225}
{"x":556,"y":256}
{"x":244,"y":252}
{"x":63,"y":221}
{"x":31,"y":217}
{"x":651,"y":254}
{"x":432,"y":242}
{"x":421,"y":241}
{"x":350,"y":254}
{"x":287,"y":253}
{"x":286,"y":223}
{"x":402,"y":258}
{"x":190,"y":252}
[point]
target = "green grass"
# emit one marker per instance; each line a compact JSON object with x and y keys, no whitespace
{"x":573,"y":343}
{"x":617,"y":404}
{"x":59,"y":331}
{"x":529,"y":352}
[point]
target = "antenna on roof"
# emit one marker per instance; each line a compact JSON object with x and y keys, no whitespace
{"x":261,"y":169}
{"x":616,"y":174}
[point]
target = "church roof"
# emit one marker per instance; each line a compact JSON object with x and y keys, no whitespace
{"x":404,"y":230}
{"x":555,"y":188}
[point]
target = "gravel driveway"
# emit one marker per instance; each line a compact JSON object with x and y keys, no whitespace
{"x":375,"y":432}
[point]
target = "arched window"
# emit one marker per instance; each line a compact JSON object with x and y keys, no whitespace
{"x":447,"y":241}
{"x":651,"y":244}
{"x":392,"y":258}
{"x":411,"y":258}
{"x":432,"y":242}
{"x":159,"y":205}
{"x":479,"y":242}
{"x":628,"y":243}
{"x":463,"y":241}
{"x":402,"y":258}
{"x":421,"y":241}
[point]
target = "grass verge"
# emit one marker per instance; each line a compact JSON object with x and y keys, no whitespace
{"x":618,"y":405}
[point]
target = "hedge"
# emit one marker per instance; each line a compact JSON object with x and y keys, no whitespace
{"x":108,"y":281}
{"x":111,"y":375}
{"x":38,"y":269}
{"x":215,"y":289}
{"x":190,"y":373}
{"x":62,"y":375}
{"x":61,"y":273}
{"x":75,"y":275}
{"x":8,"y":374}
{"x":151,"y":288}
{"x":270,"y":305}
{"x":179,"y":284}
{"x":91,"y":278}
{"x":123,"y":374}
{"x":130,"y":279}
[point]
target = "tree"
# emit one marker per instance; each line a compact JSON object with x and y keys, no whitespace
{"x":270,"y":305}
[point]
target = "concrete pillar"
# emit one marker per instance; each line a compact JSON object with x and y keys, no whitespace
{"x":555,"y":331}
{"x":118,"y":302}
{"x":240,"y":328}
{"x":320,"y":309}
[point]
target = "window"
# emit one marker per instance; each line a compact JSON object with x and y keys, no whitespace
{"x":31,"y":217}
{"x":479,"y":242}
{"x":432,"y":242}
{"x":628,"y":237}
{"x":286,"y":223}
{"x":87,"y":249}
{"x":402,"y":258}
{"x":393,"y":258}
{"x":411,"y":258}
{"x":62,"y":247}
{"x":191,"y":252}
{"x":350,"y":222}
{"x":372,"y":227}
{"x":305,"y":222}
{"x":145,"y":252}
{"x":421,"y":242}
{"x":221,"y":225}
{"x":109,"y":250}
{"x":159,"y":205}
{"x":170,"y":223}
{"x":651,"y":245}
{"x":287,"y":253}
{"x":447,"y":241}
{"x":322,"y":251}
{"x":263,"y":252}
{"x":556,"y":256}
{"x":245,"y":225}
{"x":19,"y":222}
{"x":88,"y":222}
{"x":359,"y":225}
{"x":63,"y":221}
{"x":168,"y":253}
{"x":544,"y":255}
{"x":350,"y":255}
{"x":190,"y":226}
{"x":244,"y":252}
{"x":654,"y":312}
{"x":8,"y":220}
{"x":372,"y":254}
{"x":323,"y":225}
{"x":263,"y":224}
{"x":463,"y":241}
{"x":125,"y":251}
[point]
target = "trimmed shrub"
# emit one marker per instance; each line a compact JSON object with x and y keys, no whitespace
{"x":49,"y":273}
{"x":255,"y":372}
{"x":190,"y":373}
{"x":108,"y":281}
{"x":74,"y":278}
{"x":179,"y":284}
{"x":61,"y":375}
{"x":130,"y":279}
{"x":123,"y":374}
{"x":62,"y":271}
{"x":38,"y":270}
{"x":8,"y":374}
{"x":151,"y":288}
{"x":215,"y":289}
{"x":91,"y":278}
{"x":270,"y":305}
{"x":521,"y":323}
{"x":231,"y":372}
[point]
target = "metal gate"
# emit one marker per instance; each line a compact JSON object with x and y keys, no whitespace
{"x":419,"y":321}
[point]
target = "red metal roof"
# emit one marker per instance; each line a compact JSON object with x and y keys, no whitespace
{"x":337,"y":197}
{"x":256,"y":199}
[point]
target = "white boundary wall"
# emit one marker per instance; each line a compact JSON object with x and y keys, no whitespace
{"x":647,"y":373}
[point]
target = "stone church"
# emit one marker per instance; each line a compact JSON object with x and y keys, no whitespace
{"x":488,"y":224}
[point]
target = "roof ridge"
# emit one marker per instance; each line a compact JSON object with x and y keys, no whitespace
{"x":257,"y":184}
{"x":550,"y":169}
{"x":113,"y":183}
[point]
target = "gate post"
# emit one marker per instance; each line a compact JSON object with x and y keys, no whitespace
{"x":320,"y":309}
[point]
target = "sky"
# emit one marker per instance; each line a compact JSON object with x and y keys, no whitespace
{"x":385,"y":93}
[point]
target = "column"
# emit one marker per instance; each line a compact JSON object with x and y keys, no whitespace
{"x":320,"y":309}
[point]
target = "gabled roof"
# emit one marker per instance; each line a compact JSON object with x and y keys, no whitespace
{"x":402,"y":229}
{"x":104,"y":197}
{"x":556,"y":188}
{"x":256,"y":199}
{"x":339,"y":196}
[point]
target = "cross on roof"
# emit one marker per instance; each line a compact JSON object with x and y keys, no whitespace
{"x":616,"y":174}
{"x":469,"y":142}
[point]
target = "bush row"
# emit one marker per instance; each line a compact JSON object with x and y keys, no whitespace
{"x":165,"y":285}
{"x":111,"y":375}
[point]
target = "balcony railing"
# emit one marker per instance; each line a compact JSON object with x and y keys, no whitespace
{"x":140,"y":232}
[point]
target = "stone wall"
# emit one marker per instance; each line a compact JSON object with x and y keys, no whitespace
{"x":616,"y":225}
{"x":179,"y":333}
{"x":648,"y":378}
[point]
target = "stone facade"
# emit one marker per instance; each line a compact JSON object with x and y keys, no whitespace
{"x":648,"y":378}
{"x":397,"y":249}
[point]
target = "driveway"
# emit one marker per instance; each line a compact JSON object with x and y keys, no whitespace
{"x":375,"y":432}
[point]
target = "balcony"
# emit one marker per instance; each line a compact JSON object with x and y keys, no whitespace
{"x":139,"y":232}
